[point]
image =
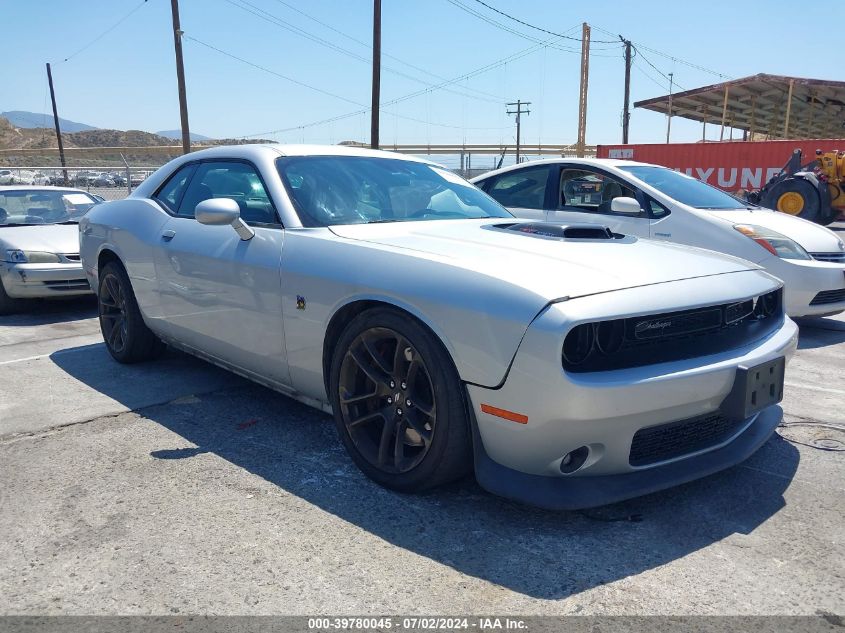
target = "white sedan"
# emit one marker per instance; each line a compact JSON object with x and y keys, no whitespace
{"x":39,"y":244}
{"x":659,"y":203}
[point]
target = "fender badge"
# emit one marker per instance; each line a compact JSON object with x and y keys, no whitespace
{"x":300,"y":302}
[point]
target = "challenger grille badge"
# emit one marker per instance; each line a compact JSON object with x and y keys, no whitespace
{"x":300,"y":302}
{"x":651,"y":327}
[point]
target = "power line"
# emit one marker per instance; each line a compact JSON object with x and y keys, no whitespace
{"x":644,"y":73}
{"x":493,"y":65}
{"x":660,"y":72}
{"x":104,"y":33}
{"x":283,"y":24}
{"x":520,"y":34}
{"x":671,"y":57}
{"x":324,"y":92}
{"x":272,"y":72}
{"x":537,"y":28}
{"x":369,"y":46}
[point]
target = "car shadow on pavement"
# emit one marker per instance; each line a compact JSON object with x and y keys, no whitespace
{"x":817,"y":332}
{"x":542,"y":554}
{"x":46,"y":312}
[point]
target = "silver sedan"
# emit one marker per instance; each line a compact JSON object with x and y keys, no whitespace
{"x":568,"y":365}
{"x":39,"y":244}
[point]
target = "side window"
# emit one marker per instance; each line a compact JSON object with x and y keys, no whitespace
{"x":235,"y":180}
{"x":525,"y":188}
{"x":590,"y":191}
{"x":656,"y":210}
{"x":170,"y":193}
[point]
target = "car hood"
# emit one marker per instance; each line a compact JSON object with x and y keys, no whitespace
{"x":812,"y":237}
{"x":52,"y":238}
{"x":550,"y":267}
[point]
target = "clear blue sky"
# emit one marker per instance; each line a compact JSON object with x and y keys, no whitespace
{"x":127,"y":79}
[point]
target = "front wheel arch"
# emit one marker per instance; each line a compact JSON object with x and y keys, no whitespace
{"x":349,"y":311}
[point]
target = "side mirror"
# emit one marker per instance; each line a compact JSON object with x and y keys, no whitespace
{"x":222,"y":211}
{"x":628,"y":206}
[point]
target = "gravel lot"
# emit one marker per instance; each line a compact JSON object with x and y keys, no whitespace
{"x":175,"y":487}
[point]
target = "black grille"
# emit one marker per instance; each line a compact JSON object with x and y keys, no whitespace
{"x":671,"y":336}
{"x":73,"y":257}
{"x":68,"y":284}
{"x":828,"y":296}
{"x":667,"y":441}
{"x":836,"y":258}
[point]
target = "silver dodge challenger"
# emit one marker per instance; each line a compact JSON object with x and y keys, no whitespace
{"x":568,"y":365}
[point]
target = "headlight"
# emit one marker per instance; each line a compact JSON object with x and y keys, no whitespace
{"x":31,"y":257}
{"x":774,"y":242}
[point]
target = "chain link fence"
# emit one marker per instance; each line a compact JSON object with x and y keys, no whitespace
{"x":109,"y":183}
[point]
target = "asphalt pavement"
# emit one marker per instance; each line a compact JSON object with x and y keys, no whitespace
{"x":175,"y":487}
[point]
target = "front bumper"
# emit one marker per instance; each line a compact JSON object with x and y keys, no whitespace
{"x":804,"y":280}
{"x":33,"y":281}
{"x":604,"y":410}
{"x":573,"y":493}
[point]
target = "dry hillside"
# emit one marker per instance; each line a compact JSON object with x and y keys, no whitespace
{"x":13,"y":138}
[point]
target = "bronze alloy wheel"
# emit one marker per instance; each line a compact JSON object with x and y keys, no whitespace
{"x":113,"y":318}
{"x":387,"y":400}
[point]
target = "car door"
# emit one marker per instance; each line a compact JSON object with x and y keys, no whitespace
{"x":524,"y":191}
{"x":220,"y":294}
{"x":585,"y":194}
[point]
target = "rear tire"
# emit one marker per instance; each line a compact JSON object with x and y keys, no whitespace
{"x":398,"y":402}
{"x":127,"y":337}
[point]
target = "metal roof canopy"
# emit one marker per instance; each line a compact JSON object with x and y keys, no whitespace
{"x":776,"y":106}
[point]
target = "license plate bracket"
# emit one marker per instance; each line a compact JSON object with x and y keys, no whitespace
{"x":755,"y":388}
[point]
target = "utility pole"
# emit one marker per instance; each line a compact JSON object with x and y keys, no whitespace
{"x":669,"y":120}
{"x":518,"y":112}
{"x":582,"y":96}
{"x":58,"y":128}
{"x":374,"y":122}
{"x":180,"y":77}
{"x":626,"y":113}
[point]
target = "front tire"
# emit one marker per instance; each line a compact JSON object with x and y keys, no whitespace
{"x":399,"y":403}
{"x":127,"y":337}
{"x":8,"y":305}
{"x":795,"y":196}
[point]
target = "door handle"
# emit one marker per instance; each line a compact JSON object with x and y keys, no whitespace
{"x":168,"y":235}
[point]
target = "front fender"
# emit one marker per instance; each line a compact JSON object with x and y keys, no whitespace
{"x":479,"y":319}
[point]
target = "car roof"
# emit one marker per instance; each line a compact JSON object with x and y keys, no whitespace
{"x":591,"y":162}
{"x":252,"y":150}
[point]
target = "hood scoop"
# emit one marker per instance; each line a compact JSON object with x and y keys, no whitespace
{"x":561,"y":231}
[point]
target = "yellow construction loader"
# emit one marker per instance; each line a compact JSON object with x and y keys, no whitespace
{"x":815,"y":191}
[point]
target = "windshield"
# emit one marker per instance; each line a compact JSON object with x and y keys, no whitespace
{"x":330,"y":190}
{"x":685,"y":189}
{"x":42,"y":206}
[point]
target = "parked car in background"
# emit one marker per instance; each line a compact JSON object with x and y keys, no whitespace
{"x":572,"y":366}
{"x":103,"y":180}
{"x":656,"y":202}
{"x":118,"y":180}
{"x":39,"y":244}
{"x":85,"y":178}
{"x":7,"y":177}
